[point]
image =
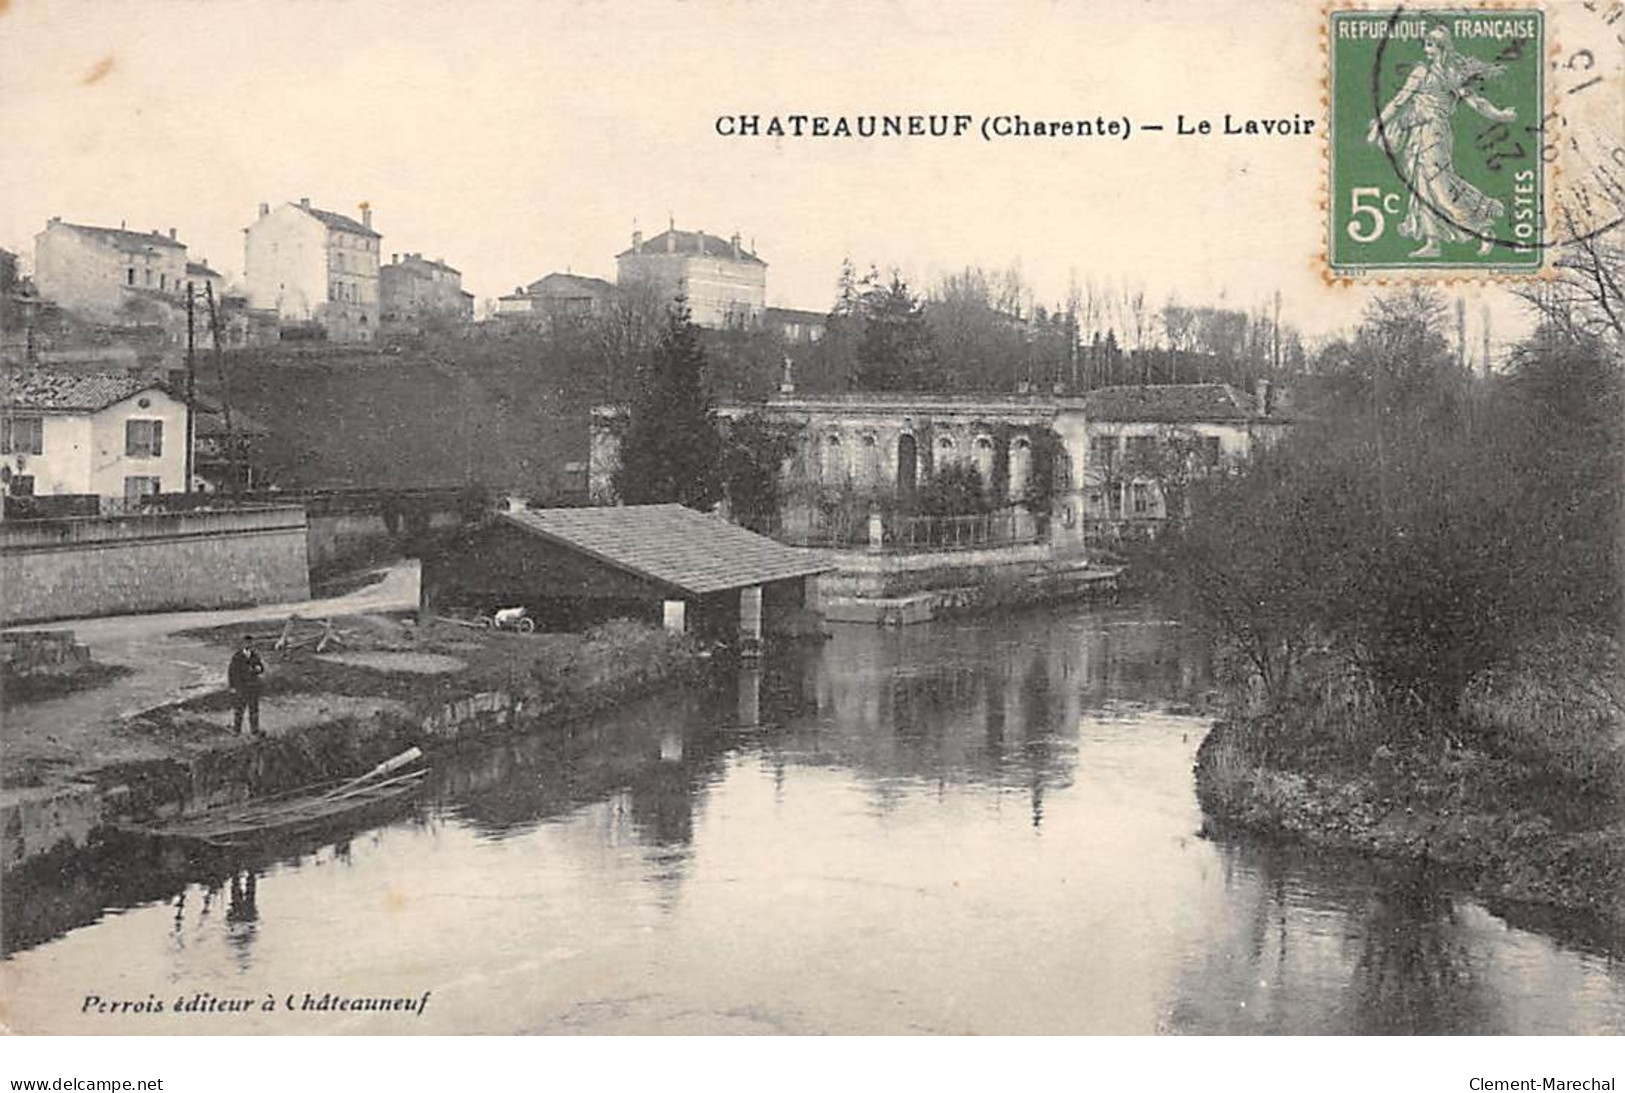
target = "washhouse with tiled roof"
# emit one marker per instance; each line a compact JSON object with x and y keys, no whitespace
{"x":692,"y":571}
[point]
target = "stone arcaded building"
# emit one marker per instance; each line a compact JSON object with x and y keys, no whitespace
{"x":724,"y":284}
{"x":316,"y":267}
{"x":414,"y":288}
{"x":1092,"y":466}
{"x":96,"y":271}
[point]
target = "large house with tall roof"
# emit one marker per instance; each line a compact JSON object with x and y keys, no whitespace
{"x":723,"y":283}
{"x":97,"y":271}
{"x":315,"y":268}
{"x":106,"y":433}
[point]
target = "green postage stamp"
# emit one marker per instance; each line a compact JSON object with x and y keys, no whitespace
{"x":1435,"y":157}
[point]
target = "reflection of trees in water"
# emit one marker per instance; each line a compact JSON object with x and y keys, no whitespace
{"x":1415,"y":968}
{"x":1363,"y":948}
{"x":648,"y":763}
{"x":995,"y":700}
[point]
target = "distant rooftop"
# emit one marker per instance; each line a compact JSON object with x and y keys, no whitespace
{"x":43,"y":389}
{"x":337,"y":221}
{"x":122,"y":238}
{"x":794,"y":315}
{"x":200,"y":269}
{"x":685,"y":242}
{"x":416,"y":258}
{"x":1172,"y":402}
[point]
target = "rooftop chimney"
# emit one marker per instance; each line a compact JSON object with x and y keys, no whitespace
{"x":637,"y":242}
{"x":172,"y":233}
{"x":265,"y":210}
{"x":1261,"y":395}
{"x":304,"y":202}
{"x":366,"y":215}
{"x":394,"y":259}
{"x":735,"y":242}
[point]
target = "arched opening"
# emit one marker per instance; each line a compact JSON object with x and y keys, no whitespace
{"x":907,"y":464}
{"x":982,"y":457}
{"x":1021,"y":464}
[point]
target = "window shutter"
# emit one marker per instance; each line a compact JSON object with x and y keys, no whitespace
{"x":130,"y":432}
{"x":157,"y":438}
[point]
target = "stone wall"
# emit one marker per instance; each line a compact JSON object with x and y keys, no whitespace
{"x":24,"y":652}
{"x":54,"y":569}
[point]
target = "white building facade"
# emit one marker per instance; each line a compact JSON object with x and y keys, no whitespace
{"x":96,"y":271}
{"x":723,"y":283}
{"x":109,"y":434}
{"x":313,"y":266}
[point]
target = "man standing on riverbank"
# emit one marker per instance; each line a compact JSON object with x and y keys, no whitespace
{"x":244,"y":677}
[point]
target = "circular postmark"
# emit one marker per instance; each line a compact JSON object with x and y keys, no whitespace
{"x":1574,"y":144}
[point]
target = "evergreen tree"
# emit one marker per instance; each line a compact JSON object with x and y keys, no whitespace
{"x":896,"y":351}
{"x":671,"y":449}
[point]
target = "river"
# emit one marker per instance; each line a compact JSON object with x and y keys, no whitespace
{"x":981,"y":826}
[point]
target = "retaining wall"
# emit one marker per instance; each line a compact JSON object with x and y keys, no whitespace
{"x":55,"y":569}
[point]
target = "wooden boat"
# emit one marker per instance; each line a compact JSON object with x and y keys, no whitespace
{"x":267,"y":818}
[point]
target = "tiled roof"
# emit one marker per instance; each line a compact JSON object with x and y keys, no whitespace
{"x":418,"y":259}
{"x":83,"y":391}
{"x":689,"y":243}
{"x":200,"y":269}
{"x":125,"y":240}
{"x":338,"y":221}
{"x":672,"y":545}
{"x":1170,"y":402}
{"x":557,"y":283}
{"x":794,"y":315}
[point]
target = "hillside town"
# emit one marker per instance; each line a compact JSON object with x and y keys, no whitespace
{"x":560,"y":553}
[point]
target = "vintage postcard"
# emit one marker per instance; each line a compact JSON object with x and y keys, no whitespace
{"x":724,"y":519}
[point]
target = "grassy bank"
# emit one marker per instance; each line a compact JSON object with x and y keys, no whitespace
{"x":1521,"y":791}
{"x":424,"y":666}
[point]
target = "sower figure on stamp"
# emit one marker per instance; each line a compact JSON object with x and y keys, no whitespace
{"x":1444,"y":207}
{"x":244,"y":677}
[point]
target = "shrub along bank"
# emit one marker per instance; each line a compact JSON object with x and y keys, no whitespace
{"x":1521,"y":792}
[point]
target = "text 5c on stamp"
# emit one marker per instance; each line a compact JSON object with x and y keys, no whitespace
{"x":1435,"y":157}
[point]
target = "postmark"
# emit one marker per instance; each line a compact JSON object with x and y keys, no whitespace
{"x":1435,"y":160}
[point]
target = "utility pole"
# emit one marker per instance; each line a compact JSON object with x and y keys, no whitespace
{"x":225,"y":393}
{"x":1461,"y":333}
{"x":191,"y":389}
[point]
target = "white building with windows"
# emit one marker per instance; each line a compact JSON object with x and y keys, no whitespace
{"x":721,"y":281}
{"x":102,"y":433}
{"x":97,"y":271}
{"x":312,"y":266}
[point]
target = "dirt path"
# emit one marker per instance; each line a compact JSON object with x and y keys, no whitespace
{"x":78,"y":732}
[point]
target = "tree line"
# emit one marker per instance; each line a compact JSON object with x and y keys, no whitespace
{"x":1424,"y":523}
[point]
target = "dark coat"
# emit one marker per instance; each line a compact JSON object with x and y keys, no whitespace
{"x":245,"y":671}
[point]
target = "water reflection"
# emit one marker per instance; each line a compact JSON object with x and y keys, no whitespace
{"x":985,"y":826}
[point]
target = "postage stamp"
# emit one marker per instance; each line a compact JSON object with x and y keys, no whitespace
{"x":1435,"y":159}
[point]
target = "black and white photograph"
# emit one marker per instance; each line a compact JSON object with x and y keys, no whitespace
{"x":712,"y":519}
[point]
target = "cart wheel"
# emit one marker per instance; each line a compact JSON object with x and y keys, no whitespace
{"x":486,"y":622}
{"x":526,"y":626}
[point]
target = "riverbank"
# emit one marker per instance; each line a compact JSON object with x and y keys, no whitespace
{"x":1521,"y":795}
{"x":385,"y":684}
